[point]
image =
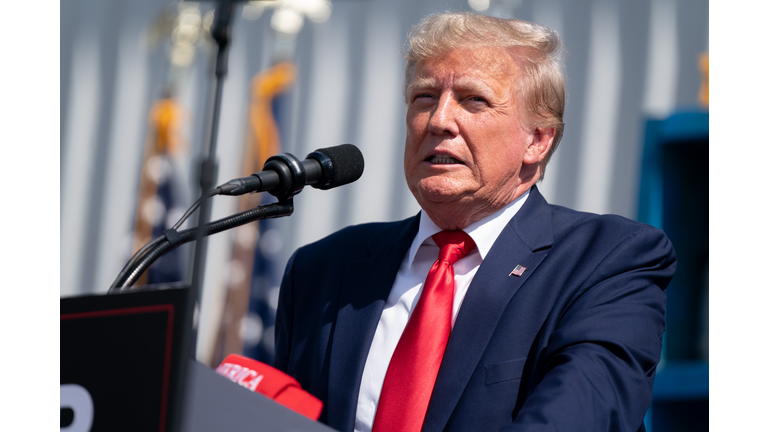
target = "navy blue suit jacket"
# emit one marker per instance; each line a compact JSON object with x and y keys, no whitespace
{"x":570,"y":345}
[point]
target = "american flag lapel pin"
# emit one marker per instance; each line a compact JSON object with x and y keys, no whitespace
{"x":518,"y":271}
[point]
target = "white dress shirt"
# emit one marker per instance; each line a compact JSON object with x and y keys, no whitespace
{"x":407,"y":289}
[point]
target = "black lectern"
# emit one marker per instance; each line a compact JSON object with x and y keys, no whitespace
{"x":123,"y":369}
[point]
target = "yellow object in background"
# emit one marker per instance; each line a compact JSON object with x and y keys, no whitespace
{"x":704,"y":90}
{"x":165,"y":119}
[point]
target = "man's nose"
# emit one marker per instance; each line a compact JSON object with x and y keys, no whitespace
{"x":443,"y":117}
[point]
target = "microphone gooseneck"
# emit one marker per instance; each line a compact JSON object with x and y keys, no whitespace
{"x":284,"y":176}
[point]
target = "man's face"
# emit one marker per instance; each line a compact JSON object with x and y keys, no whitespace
{"x":466,"y":145}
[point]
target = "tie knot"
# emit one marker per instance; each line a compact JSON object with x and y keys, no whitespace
{"x":454,"y":245}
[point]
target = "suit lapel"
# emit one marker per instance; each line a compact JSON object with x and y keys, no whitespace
{"x":366,"y":286}
{"x":524,"y":241}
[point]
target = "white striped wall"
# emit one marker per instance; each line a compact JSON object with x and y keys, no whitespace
{"x":349,"y":91}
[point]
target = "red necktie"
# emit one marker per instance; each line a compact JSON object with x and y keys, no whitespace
{"x":413,"y":369}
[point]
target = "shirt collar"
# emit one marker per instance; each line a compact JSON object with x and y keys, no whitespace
{"x":483,"y":232}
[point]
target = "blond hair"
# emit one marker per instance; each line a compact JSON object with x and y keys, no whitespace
{"x":537,"y":50}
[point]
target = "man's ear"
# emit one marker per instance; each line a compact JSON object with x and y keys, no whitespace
{"x":539,"y":144}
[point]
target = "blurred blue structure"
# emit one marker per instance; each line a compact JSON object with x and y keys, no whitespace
{"x":674,"y":196}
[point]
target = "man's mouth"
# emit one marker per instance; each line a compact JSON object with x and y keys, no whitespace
{"x":442,"y":159}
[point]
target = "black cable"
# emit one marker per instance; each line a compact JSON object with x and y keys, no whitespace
{"x":187,"y":214}
{"x":196,"y":205}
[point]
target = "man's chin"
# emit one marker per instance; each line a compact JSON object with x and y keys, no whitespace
{"x":443,"y":196}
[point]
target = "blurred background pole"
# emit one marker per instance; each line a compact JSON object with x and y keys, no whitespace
{"x":209,"y":166}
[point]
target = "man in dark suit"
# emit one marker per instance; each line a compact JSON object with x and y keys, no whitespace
{"x":554,"y":318}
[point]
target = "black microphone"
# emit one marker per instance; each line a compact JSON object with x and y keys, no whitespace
{"x":284,"y":175}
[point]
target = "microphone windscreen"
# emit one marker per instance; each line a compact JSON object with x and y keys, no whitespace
{"x":273,"y":383}
{"x":348,"y":164}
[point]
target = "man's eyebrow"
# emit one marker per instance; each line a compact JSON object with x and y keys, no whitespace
{"x":423,"y":82}
{"x":472,"y":84}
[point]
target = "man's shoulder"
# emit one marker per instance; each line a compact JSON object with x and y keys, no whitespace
{"x":570,"y":219}
{"x":607,"y":230}
{"x":566,"y":223}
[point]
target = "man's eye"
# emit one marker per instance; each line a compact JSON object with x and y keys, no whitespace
{"x":422,"y":98}
{"x":477,"y":99}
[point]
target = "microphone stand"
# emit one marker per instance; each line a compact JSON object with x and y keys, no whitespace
{"x":220,"y":32}
{"x":208,"y":170}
